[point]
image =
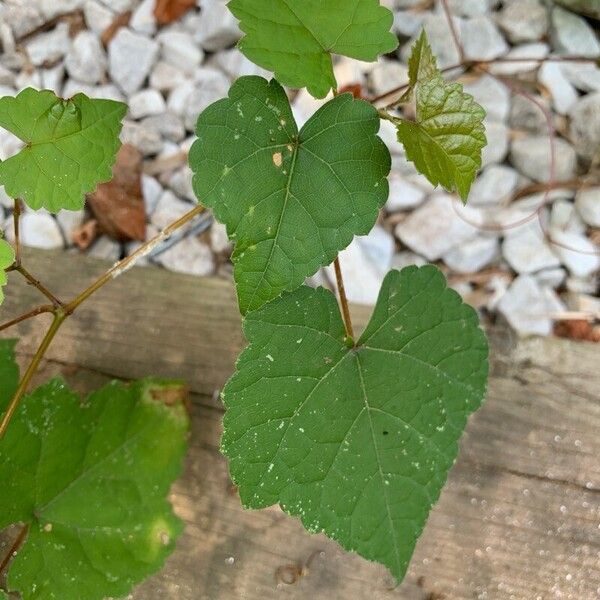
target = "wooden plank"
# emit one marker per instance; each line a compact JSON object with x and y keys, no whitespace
{"x":519,"y":518}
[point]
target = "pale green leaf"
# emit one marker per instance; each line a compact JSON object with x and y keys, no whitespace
{"x":295,"y":38}
{"x":446,"y":139}
{"x":70,"y":147}
{"x":291,"y":201}
{"x":357,"y":442}
{"x":7,"y":257}
{"x":91,"y":479}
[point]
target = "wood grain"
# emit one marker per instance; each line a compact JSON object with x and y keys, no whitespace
{"x":518,"y":520}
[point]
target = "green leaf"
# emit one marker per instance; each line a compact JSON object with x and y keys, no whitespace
{"x":3,"y":596}
{"x":291,"y":201}
{"x":295,"y":38}
{"x":9,"y":372}
{"x":7,"y":257}
{"x":357,"y":442}
{"x":446,"y":140}
{"x":70,"y":148}
{"x":90,"y":479}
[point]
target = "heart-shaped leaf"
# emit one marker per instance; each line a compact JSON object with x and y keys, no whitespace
{"x":7,"y":257}
{"x":90,"y":479}
{"x":295,"y":38}
{"x":291,"y":200}
{"x":357,"y":441}
{"x":70,"y":147}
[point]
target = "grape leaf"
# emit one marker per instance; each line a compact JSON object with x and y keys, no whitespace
{"x":71,"y":146}
{"x":446,"y":140}
{"x":7,"y":257}
{"x":9,"y":372}
{"x":295,"y":38}
{"x":357,"y":442}
{"x":90,"y":479}
{"x":3,"y":596}
{"x":291,"y":201}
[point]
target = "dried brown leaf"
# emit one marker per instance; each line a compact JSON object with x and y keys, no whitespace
{"x":167,"y":11}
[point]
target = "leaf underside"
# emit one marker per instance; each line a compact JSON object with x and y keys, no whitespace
{"x":295,"y":38}
{"x":356,"y":442}
{"x":290,"y":200}
{"x":7,"y":257}
{"x":447,"y":138}
{"x":91,"y":479}
{"x":70,"y":148}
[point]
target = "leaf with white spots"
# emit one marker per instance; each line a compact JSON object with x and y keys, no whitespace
{"x":70,"y":147}
{"x":90,"y":478}
{"x":291,"y":200}
{"x":356,"y":441}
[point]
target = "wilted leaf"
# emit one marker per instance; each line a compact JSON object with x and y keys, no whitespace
{"x":70,"y":147}
{"x":295,"y":38}
{"x":118,"y":205}
{"x":357,"y":441}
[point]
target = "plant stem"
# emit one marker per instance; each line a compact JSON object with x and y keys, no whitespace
{"x":343,"y":299}
{"x":59,"y":317}
{"x":38,"y":310}
{"x":16,"y":218}
{"x":14,"y":548}
{"x":19,"y":268}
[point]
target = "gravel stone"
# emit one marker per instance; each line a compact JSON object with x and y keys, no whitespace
{"x":531,"y":156}
{"x":86,"y":60}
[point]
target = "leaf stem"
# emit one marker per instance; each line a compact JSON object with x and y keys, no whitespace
{"x":38,"y":310}
{"x":16,"y":220}
{"x":59,"y":317}
{"x":14,"y":548}
{"x":343,"y":299}
{"x":19,"y":268}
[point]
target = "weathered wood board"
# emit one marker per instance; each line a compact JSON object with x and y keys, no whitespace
{"x":518,"y":520}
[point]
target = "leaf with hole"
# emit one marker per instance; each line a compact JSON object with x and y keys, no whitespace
{"x":447,"y":138}
{"x":7,"y":257}
{"x":291,"y":200}
{"x":90,"y":478}
{"x":295,"y":38}
{"x":70,"y":147}
{"x":358,"y":441}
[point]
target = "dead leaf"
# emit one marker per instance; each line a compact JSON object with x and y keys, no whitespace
{"x":354,"y":88}
{"x":118,"y":205}
{"x":167,"y":11}
{"x":119,"y":21}
{"x":577,"y":329}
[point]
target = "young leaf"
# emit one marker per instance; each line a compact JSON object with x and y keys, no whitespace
{"x":446,"y":140}
{"x":70,"y":147}
{"x":291,"y":201}
{"x":7,"y":257}
{"x":357,"y":442}
{"x":295,"y":38}
{"x":91,"y":479}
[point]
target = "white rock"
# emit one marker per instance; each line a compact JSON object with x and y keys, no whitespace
{"x":52,"y":79}
{"x":142,"y":19}
{"x":408,"y":23}
{"x":97,"y":17}
{"x":105,"y":249}
{"x":152,"y":191}
{"x":145,"y":103}
{"x":529,"y":308}
{"x":52,"y":8}
{"x":168,"y":209}
{"x":108,"y":91}
{"x":526,"y":250}
{"x":481,"y":39}
{"x":572,"y":35}
{"x":406,"y":258}
{"x":585,"y":126}
{"x":181,"y":183}
{"x":219,"y":240}
{"x":495,"y":184}
{"x":576,"y":252}
{"x":468,"y":8}
{"x":188,"y":256}
{"x":27,"y":79}
{"x":403,"y":194}
{"x":21,"y":17}
{"x":492,"y":95}
{"x":86,"y":60}
{"x":178,"y":49}
{"x":211,"y":85}
{"x":70,"y":221}
{"x":588,"y":205}
{"x":235,"y":64}
{"x":218,"y":27}
{"x":474,"y":255}
{"x":364,"y":265}
{"x":532,"y":157}
{"x":166,"y":77}
{"x":528,"y":116}
{"x":498,"y":143}
{"x":387,"y":74}
{"x":565,"y":217}
{"x":435,"y":228}
{"x":131,"y":58}
{"x":348,"y":71}
{"x":584,"y":76}
{"x":147,"y":140}
{"x":169,"y":126}
{"x":40,"y":230}
{"x":389,"y":134}
{"x":551,"y":278}
{"x":177,"y":101}
{"x":49,"y":47}
{"x":536,"y":50}
{"x":7,"y":77}
{"x":119,"y":6}
{"x":523,"y":21}
{"x":440,"y":39}
{"x":564,"y":95}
